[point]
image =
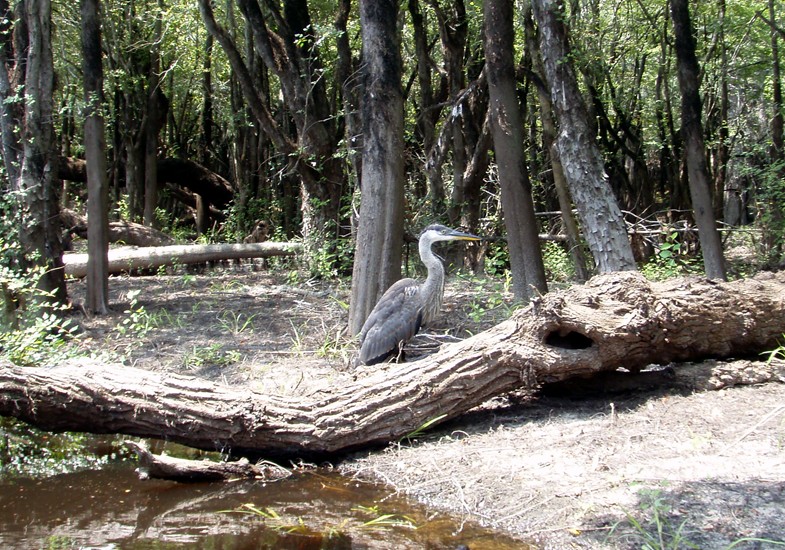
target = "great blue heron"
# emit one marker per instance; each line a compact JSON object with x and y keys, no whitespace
{"x":407,"y":305}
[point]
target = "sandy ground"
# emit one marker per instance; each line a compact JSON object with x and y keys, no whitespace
{"x":570,"y":468}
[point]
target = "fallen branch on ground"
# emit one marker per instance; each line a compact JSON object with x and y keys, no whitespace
{"x":616,"y":320}
{"x":128,"y":258}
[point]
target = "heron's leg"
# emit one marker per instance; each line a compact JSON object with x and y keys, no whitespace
{"x":400,"y":356}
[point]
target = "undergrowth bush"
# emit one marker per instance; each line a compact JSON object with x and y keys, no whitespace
{"x":33,"y":327}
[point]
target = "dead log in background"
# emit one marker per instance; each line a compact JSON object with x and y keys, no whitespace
{"x":188,"y":174}
{"x":126,"y":259}
{"x":616,"y":320}
{"x":129,"y":233}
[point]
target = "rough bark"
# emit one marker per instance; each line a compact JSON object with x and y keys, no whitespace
{"x":377,"y":263}
{"x":615,"y":320}
{"x":549,"y":133}
{"x":39,"y":228}
{"x":126,"y":259}
{"x":603,"y":225}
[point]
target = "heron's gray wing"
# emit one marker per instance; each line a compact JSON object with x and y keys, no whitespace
{"x":396,"y":317}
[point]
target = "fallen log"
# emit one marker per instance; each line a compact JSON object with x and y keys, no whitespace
{"x":615,"y":321}
{"x":152,"y":466}
{"x":188,"y":174}
{"x":129,"y":233}
{"x":129,"y":258}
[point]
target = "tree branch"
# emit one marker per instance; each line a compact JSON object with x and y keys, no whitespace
{"x":616,"y":320}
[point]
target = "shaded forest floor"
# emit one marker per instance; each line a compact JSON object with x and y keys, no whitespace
{"x":583,"y":468}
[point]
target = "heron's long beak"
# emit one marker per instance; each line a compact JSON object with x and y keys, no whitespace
{"x":461,"y":236}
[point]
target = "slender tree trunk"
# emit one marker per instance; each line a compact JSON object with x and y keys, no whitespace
{"x":95,"y":145}
{"x":10,"y":111}
{"x":206,"y":117}
{"x":528,"y":271}
{"x":345,"y":73}
{"x":776,"y":235}
{"x":156,"y":116}
{"x":692,"y":129}
{"x":603,"y":225}
{"x":425,"y":126}
{"x":377,"y":263}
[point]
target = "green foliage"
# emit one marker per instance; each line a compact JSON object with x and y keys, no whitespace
{"x":25,"y":450}
{"x":212,"y":355}
{"x":670,"y":260}
{"x":656,"y":532}
{"x":236,"y":322}
{"x":329,"y":256}
{"x":423,"y":428}
{"x":138,"y":322}
{"x":776,"y":353}
{"x":379,"y":519}
{"x":558,"y":264}
{"x":33,"y":327}
{"x":497,"y":259}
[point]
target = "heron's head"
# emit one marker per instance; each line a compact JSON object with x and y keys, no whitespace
{"x":436,"y":232}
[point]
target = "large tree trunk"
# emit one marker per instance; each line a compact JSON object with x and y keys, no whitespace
{"x":528,"y":271}
{"x":40,"y":228}
{"x":615,"y":320}
{"x":603,"y":225}
{"x":126,"y":259}
{"x":692,"y":130}
{"x":377,"y":263}
{"x":95,"y":145}
{"x":549,"y":146}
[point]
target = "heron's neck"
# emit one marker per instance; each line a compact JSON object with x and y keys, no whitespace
{"x":433,"y":288}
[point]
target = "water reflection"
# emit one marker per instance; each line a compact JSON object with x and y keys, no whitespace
{"x":112,"y":508}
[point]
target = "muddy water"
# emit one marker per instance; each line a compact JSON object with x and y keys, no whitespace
{"x":108,"y":507}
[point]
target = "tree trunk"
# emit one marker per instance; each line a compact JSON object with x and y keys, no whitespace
{"x":126,"y":259}
{"x":425,"y":126}
{"x":377,"y":263}
{"x":156,"y":117}
{"x":775,"y":237}
{"x":95,"y":145}
{"x":10,"y":111}
{"x":615,"y":320}
{"x":40,"y":228}
{"x":528,"y":271}
{"x":603,"y":225}
{"x":692,"y":130}
{"x":549,"y":146}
